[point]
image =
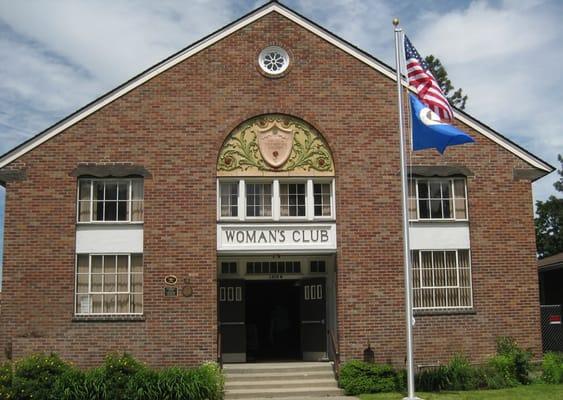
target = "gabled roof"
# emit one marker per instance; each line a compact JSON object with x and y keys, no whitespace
{"x":229,"y":29}
{"x":553,"y":262}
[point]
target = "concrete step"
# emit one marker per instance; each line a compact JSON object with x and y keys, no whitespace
{"x":292,"y":392}
{"x":282,"y":376}
{"x":290,"y":380}
{"x":281,"y":384}
{"x":277,"y":367}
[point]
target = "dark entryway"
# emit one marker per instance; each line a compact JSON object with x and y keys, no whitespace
{"x":272,"y":320}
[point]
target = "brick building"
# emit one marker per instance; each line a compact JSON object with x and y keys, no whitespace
{"x":249,"y":185}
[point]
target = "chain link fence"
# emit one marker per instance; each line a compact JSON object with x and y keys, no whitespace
{"x":551,"y":328}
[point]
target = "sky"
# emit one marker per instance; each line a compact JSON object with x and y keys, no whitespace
{"x":58,"y":55}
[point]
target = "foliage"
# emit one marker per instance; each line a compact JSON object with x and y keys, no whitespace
{"x":462,"y":375}
{"x":358,"y":377}
{"x":35,"y":376}
{"x":174,"y":383}
{"x":549,"y":222}
{"x":552,"y":368}
{"x":432,"y":379}
{"x":519,"y":358}
{"x":456,"y":97}
{"x":120,"y":377}
{"x":6,"y":377}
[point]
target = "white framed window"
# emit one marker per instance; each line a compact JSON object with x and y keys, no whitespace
{"x":293,"y":199}
{"x":441,"y":279}
{"x":110,"y":200}
{"x":322,"y":193}
{"x":228,"y":197}
{"x":109,"y":284}
{"x":258,"y":199}
{"x":438,"y":199}
{"x":278,"y":199}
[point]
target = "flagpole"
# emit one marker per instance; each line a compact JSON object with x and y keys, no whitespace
{"x":404,"y":201}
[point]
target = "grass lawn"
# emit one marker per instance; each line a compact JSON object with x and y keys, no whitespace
{"x":534,"y":392}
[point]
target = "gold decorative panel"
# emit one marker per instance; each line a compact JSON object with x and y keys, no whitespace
{"x":275,"y":145}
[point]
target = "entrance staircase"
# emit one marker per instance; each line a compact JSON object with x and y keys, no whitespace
{"x":297,"y":380}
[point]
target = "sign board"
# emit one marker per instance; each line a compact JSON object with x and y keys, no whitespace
{"x":555,"y":319}
{"x":276,"y":237}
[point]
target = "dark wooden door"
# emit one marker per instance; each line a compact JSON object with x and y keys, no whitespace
{"x":313,"y":318}
{"x":232,"y":320}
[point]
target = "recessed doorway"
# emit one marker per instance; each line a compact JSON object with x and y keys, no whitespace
{"x":272,"y":320}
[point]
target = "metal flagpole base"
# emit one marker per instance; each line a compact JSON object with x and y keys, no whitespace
{"x":412,"y":398}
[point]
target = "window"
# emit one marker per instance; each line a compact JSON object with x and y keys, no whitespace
{"x":228,"y":267}
{"x":258,"y":199}
{"x":292,"y":199}
{"x":438,"y":199}
{"x":441,"y":279}
{"x":273,"y":267}
{"x":109,"y":284}
{"x":322,"y":195}
{"x":102,"y":200}
{"x":318,"y":266}
{"x":279,"y":199}
{"x":229,"y":199}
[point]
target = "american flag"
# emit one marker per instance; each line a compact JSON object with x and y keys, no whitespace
{"x":423,"y":81}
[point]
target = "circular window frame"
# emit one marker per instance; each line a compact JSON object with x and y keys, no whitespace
{"x":282,"y":71}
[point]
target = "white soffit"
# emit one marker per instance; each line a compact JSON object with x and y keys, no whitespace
{"x":221,"y":34}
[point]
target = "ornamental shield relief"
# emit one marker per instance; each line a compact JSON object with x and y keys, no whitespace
{"x":275,"y":143}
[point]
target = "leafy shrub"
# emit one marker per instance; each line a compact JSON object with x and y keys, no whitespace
{"x":6,"y":376}
{"x":462,"y":375}
{"x":358,"y":377}
{"x":432,"y":379}
{"x":112,"y":378}
{"x":204,"y":382}
{"x":552,"y":368}
{"x":35,"y":376}
{"x":520,"y":358}
{"x":500,"y":373}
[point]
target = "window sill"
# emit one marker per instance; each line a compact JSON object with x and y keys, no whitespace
{"x":109,"y":318}
{"x":84,"y":223}
{"x":464,"y":311}
{"x":439,"y":221}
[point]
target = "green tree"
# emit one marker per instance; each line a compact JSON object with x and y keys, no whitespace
{"x":549,"y":222}
{"x":456,"y":97}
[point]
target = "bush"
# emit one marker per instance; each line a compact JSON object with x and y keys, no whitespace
{"x":204,"y":382}
{"x":552,"y":368}
{"x":462,"y":375}
{"x":357,"y":377}
{"x":6,"y":376}
{"x":112,"y":378}
{"x":35,"y":376}
{"x":499,"y":372}
{"x":432,"y":379}
{"x":521,"y":365}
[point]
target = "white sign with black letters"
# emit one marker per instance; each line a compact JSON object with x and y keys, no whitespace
{"x":276,"y":237}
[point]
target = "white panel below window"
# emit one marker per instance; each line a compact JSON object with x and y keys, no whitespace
{"x":109,"y":238}
{"x":439,"y":235}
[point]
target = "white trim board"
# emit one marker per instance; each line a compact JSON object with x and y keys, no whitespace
{"x":221,"y":34}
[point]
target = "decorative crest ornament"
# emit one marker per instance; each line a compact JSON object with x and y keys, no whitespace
{"x":272,"y":144}
{"x":275,"y":142}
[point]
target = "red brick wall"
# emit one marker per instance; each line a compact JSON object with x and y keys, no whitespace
{"x":174,"y":125}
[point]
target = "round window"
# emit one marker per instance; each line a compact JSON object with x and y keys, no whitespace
{"x":273,"y":60}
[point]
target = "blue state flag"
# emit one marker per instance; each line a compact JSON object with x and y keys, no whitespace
{"x":428,"y":131}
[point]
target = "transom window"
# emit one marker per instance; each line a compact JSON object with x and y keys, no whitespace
{"x":322,"y":195}
{"x":259,"y":200}
{"x":292,"y":197}
{"x":438,"y":199}
{"x":229,"y":199}
{"x":109,"y":284}
{"x":310,"y":199}
{"x":441,"y":279}
{"x":104,"y":200}
{"x":273,"y":267}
